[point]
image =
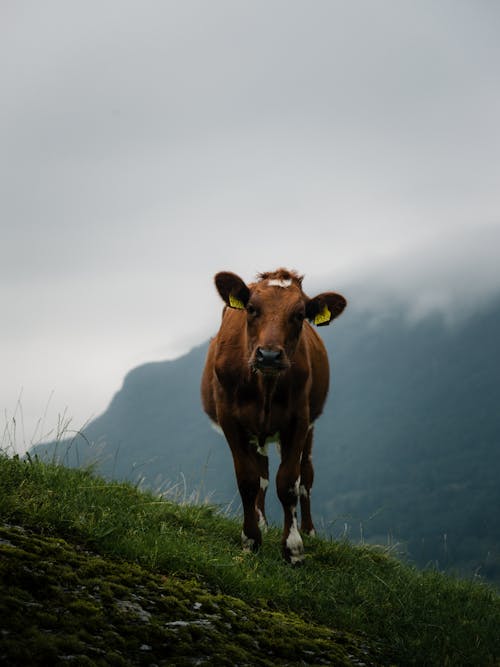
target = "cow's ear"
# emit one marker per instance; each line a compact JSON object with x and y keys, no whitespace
{"x":232,"y":289}
{"x":324,"y":308}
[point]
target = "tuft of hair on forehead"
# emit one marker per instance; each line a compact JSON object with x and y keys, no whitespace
{"x":282,"y":275}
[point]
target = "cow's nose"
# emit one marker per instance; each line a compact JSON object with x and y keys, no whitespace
{"x":266,"y":357}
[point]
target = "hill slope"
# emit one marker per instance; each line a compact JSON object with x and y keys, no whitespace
{"x":100,"y":573}
{"x":407,"y":449}
{"x":87,"y":609}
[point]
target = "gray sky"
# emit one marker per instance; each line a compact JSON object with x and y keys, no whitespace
{"x":146,"y":145}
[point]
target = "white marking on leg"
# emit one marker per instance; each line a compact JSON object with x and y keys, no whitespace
{"x":279,"y":283}
{"x":263,"y":450}
{"x":246,"y":543}
{"x":294,"y":542}
{"x":264,"y":483}
{"x":303,"y":491}
{"x":262,"y":521}
{"x":295,"y":488}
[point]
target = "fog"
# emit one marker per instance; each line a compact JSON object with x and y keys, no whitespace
{"x":146,"y":146}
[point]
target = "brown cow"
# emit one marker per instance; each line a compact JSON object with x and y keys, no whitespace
{"x":266,"y":378}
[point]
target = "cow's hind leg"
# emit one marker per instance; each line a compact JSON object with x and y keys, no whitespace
{"x":306,"y":482}
{"x":263,"y":465}
{"x":288,"y":482}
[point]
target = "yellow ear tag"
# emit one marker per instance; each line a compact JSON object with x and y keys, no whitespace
{"x":323,"y":317}
{"x":236,"y":303}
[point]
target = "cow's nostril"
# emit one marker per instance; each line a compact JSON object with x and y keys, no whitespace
{"x":267,"y":357}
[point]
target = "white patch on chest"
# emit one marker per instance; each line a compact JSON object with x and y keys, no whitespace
{"x":279,"y":283}
{"x":264,"y":449}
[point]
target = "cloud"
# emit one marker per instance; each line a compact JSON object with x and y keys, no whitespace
{"x":146,"y":146}
{"x":452,"y":273}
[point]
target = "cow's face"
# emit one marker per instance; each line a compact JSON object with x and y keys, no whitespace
{"x":275,"y":309}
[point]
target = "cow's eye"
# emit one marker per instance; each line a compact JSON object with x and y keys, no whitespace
{"x":251,"y":310}
{"x":299,"y":317}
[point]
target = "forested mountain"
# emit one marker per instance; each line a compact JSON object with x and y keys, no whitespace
{"x":407,"y":451}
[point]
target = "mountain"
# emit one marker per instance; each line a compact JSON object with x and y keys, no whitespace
{"x":407,"y":450}
{"x":414,"y":428}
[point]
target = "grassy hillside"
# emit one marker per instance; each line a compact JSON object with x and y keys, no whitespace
{"x":102,"y":573}
{"x":408,"y":447}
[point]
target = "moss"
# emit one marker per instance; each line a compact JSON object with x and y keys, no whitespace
{"x":61,"y":603}
{"x":137,"y":615}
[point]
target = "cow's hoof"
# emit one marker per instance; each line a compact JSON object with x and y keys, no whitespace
{"x":293,"y":547}
{"x":295,"y":558}
{"x":248,"y":544}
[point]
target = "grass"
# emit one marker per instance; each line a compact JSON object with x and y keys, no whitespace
{"x":418,"y":618}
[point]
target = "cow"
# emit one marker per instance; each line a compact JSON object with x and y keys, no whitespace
{"x":266,"y":379}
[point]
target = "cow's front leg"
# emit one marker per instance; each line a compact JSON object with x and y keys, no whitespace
{"x":288,"y":485}
{"x":263,"y":466}
{"x":248,"y":479}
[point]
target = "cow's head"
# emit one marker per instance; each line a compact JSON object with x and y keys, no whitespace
{"x":275,"y":308}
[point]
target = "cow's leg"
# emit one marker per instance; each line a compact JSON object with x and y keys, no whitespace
{"x":247,"y":475}
{"x":263,"y":465}
{"x":306,"y":482}
{"x":288,"y":484}
{"x":248,"y":479}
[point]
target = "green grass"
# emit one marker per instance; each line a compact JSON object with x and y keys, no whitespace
{"x":418,"y":618}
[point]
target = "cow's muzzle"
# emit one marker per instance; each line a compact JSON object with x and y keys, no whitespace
{"x":269,"y":360}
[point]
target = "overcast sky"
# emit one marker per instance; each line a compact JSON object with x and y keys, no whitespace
{"x":146,"y":145}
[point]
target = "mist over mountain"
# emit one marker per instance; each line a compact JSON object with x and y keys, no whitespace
{"x":407,"y":450}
